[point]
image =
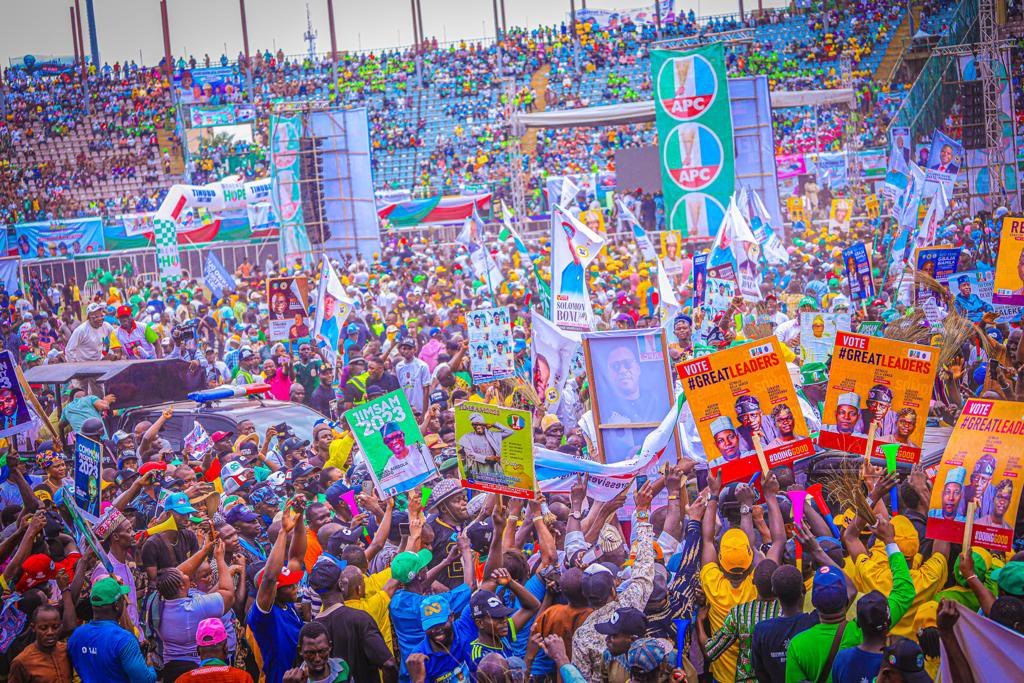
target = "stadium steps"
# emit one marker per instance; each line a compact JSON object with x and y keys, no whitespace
{"x":899,"y":42}
{"x":169,"y":141}
{"x":539,"y":84}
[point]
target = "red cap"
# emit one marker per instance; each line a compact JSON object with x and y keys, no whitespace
{"x":217,"y":437}
{"x":124,"y":311}
{"x":150,"y":466}
{"x":287,"y":577}
{"x":35,"y":570}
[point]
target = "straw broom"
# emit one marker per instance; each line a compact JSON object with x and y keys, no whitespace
{"x":846,"y":489}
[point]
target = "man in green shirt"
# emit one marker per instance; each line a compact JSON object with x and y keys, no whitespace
{"x":307,"y":369}
{"x":809,"y":651}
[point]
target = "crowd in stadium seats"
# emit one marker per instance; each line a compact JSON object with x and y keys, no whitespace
{"x":437,"y":114}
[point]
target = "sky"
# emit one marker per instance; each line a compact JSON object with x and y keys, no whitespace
{"x":130,"y":29}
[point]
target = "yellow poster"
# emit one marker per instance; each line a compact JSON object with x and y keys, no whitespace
{"x":1009,"y":285}
{"x":871,"y":206}
{"x":982,"y":463}
{"x":739,"y":397}
{"x":878,"y":382}
{"x":795,"y":209}
{"x":840,"y":214}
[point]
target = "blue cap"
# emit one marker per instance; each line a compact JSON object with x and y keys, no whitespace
{"x":352,"y":329}
{"x":434,"y":610}
{"x":178,"y":502}
{"x":828,"y":594}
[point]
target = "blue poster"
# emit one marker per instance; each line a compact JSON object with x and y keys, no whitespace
{"x":700,"y":278}
{"x":10,"y":276}
{"x":832,"y":170}
{"x":59,"y":239}
{"x":858,"y":272}
{"x":14,"y":414}
{"x":88,"y":461}
{"x":938,"y":263}
{"x":212,"y":84}
{"x":217,"y":277}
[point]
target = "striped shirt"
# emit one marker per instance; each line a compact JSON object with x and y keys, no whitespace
{"x":738,"y":628}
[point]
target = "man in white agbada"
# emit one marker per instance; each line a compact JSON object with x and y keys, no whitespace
{"x":482,"y":446}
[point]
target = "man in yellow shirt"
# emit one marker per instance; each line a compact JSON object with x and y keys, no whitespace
{"x":726,"y":573}
{"x":873,"y":572}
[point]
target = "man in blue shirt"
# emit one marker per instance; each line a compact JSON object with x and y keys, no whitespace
{"x":103,"y":652}
{"x":969,"y":304}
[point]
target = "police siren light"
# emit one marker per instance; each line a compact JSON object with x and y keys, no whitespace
{"x":228,"y":391}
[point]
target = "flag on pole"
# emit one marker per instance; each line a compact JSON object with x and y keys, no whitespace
{"x":639,"y":234}
{"x":573,"y":247}
{"x":216,"y":277}
{"x":332,"y":310}
{"x":508,"y":231}
{"x":471,"y":237}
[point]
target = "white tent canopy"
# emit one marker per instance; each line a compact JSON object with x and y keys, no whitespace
{"x":643,"y":112}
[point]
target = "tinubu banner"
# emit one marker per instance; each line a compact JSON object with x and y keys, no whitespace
{"x":573,"y":247}
{"x":59,"y":238}
{"x":972,"y":296}
{"x":694,"y":120}
{"x":877,"y":381}
{"x":742,"y":395}
{"x":490,"y":344}
{"x":982,"y":463}
{"x":1009,"y":285}
{"x":495,"y":449}
{"x":818,"y":334}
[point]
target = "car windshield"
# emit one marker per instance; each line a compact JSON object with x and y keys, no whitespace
{"x":299,"y":417}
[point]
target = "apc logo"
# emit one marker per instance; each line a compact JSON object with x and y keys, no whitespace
{"x":697,"y":214}
{"x":687,"y":87}
{"x":693,"y":156}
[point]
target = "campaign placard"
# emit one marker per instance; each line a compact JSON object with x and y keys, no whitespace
{"x":938,"y":262}
{"x":287,"y":300}
{"x":972,"y":297}
{"x":490,"y":344}
{"x":818,"y":334}
{"x":839,"y":215}
{"x":88,"y":462}
{"x":741,"y":395}
{"x":14,"y":413}
{"x":878,"y":381}
{"x":390,"y":440}
{"x":495,"y":449}
{"x":1009,"y":284}
{"x":858,"y":272}
{"x":982,"y":463}
{"x":700,"y":278}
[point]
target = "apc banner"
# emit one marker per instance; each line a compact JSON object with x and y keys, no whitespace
{"x":740,"y":395}
{"x":939,"y":263}
{"x":839,"y":215}
{"x":59,"y":238}
{"x":88,"y":460}
{"x":694,"y":120}
{"x":858,"y":272}
{"x":288,"y":299}
{"x":972,"y":296}
{"x":982,"y":464}
{"x":490,"y":344}
{"x":878,"y":381}
{"x":1009,"y":284}
{"x":495,"y":449}
{"x":390,"y":440}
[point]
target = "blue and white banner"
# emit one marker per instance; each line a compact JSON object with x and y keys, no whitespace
{"x":59,"y":239}
{"x":10,"y":274}
{"x":217,"y":277}
{"x":88,"y":460}
{"x":832,"y":170}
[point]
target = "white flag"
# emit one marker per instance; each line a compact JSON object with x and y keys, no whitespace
{"x":573,"y":247}
{"x":332,"y":310}
{"x":639,"y":234}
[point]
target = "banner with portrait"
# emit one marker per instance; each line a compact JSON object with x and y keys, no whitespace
{"x":59,"y":238}
{"x":287,"y":299}
{"x":88,"y":462}
{"x":795,"y":209}
{"x":558,"y":369}
{"x":332,"y":310}
{"x":818,"y":334}
{"x":396,"y":455}
{"x":938,"y":263}
{"x":490,"y":344}
{"x":878,"y":388}
{"x":700,"y":278}
{"x":897,"y":171}
{"x":630,"y":390}
{"x":14,"y":413}
{"x":945,"y":159}
{"x":573,"y":247}
{"x":972,"y":296}
{"x":871,"y":206}
{"x":839,"y":215}
{"x":981,"y":464}
{"x":858,"y":272}
{"x":495,"y":449}
{"x":742,"y":399}
{"x":1009,"y":284}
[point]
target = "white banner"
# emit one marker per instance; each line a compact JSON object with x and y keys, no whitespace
{"x":573,"y":247}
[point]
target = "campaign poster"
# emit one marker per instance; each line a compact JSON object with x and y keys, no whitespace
{"x":1009,"y":284}
{"x":389,"y":438}
{"x":839,"y":215}
{"x":59,"y":238}
{"x":939,"y":263}
{"x":630,"y":390}
{"x":573,"y":247}
{"x":719,"y":291}
{"x":795,"y":209}
{"x":490,"y":344}
{"x":871,"y":328}
{"x":700,"y":278}
{"x":982,"y":463}
{"x":88,"y":462}
{"x":495,"y":449}
{"x":871,"y":206}
{"x":945,"y":158}
{"x":972,"y":297}
{"x":558,"y":369}
{"x":740,"y":396}
{"x":332,"y":310}
{"x":14,"y":413}
{"x":818,"y":334}
{"x":858,"y":272}
{"x":878,"y":381}
{"x":287,"y":299}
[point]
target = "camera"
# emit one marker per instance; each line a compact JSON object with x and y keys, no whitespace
{"x":283,"y":430}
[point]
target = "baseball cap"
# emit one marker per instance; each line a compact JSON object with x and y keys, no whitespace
{"x":487,"y":604}
{"x":647,"y":654}
{"x":1010,"y":578}
{"x":734,"y":553}
{"x":220,"y":436}
{"x":240,"y":513}
{"x":35,"y":570}
{"x":624,"y":620}
{"x":873,"y":613}
{"x":434,"y":609}
{"x":480,"y":533}
{"x":597,"y":586}
{"x":407,"y":341}
{"x":906,"y":656}
{"x":408,"y":564}
{"x":178,"y":502}
{"x":210,"y":632}
{"x":94,"y":307}
{"x":287,"y":577}
{"x":107,"y":591}
{"x":828,"y":593}
{"x":324,"y":576}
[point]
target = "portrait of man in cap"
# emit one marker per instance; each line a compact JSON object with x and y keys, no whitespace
{"x":723,"y":431}
{"x":481,"y":448}
{"x":406,"y":461}
{"x":753,"y":421}
{"x":877,"y":411}
{"x":978,"y":489}
{"x":847,"y":417}
{"x":952,"y":496}
{"x":969,"y":304}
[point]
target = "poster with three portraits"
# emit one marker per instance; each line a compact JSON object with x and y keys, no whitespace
{"x":743,"y":398}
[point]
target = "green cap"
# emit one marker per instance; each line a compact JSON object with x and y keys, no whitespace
{"x":813,"y":373}
{"x":1010,"y":579}
{"x":107,"y":591}
{"x":407,"y":564}
{"x":808,"y":301}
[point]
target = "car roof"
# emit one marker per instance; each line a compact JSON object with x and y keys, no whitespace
{"x":239,"y":407}
{"x":102,"y":370}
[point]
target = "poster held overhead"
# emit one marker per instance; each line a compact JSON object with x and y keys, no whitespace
{"x":1009,"y":284}
{"x":287,"y":298}
{"x":495,"y":449}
